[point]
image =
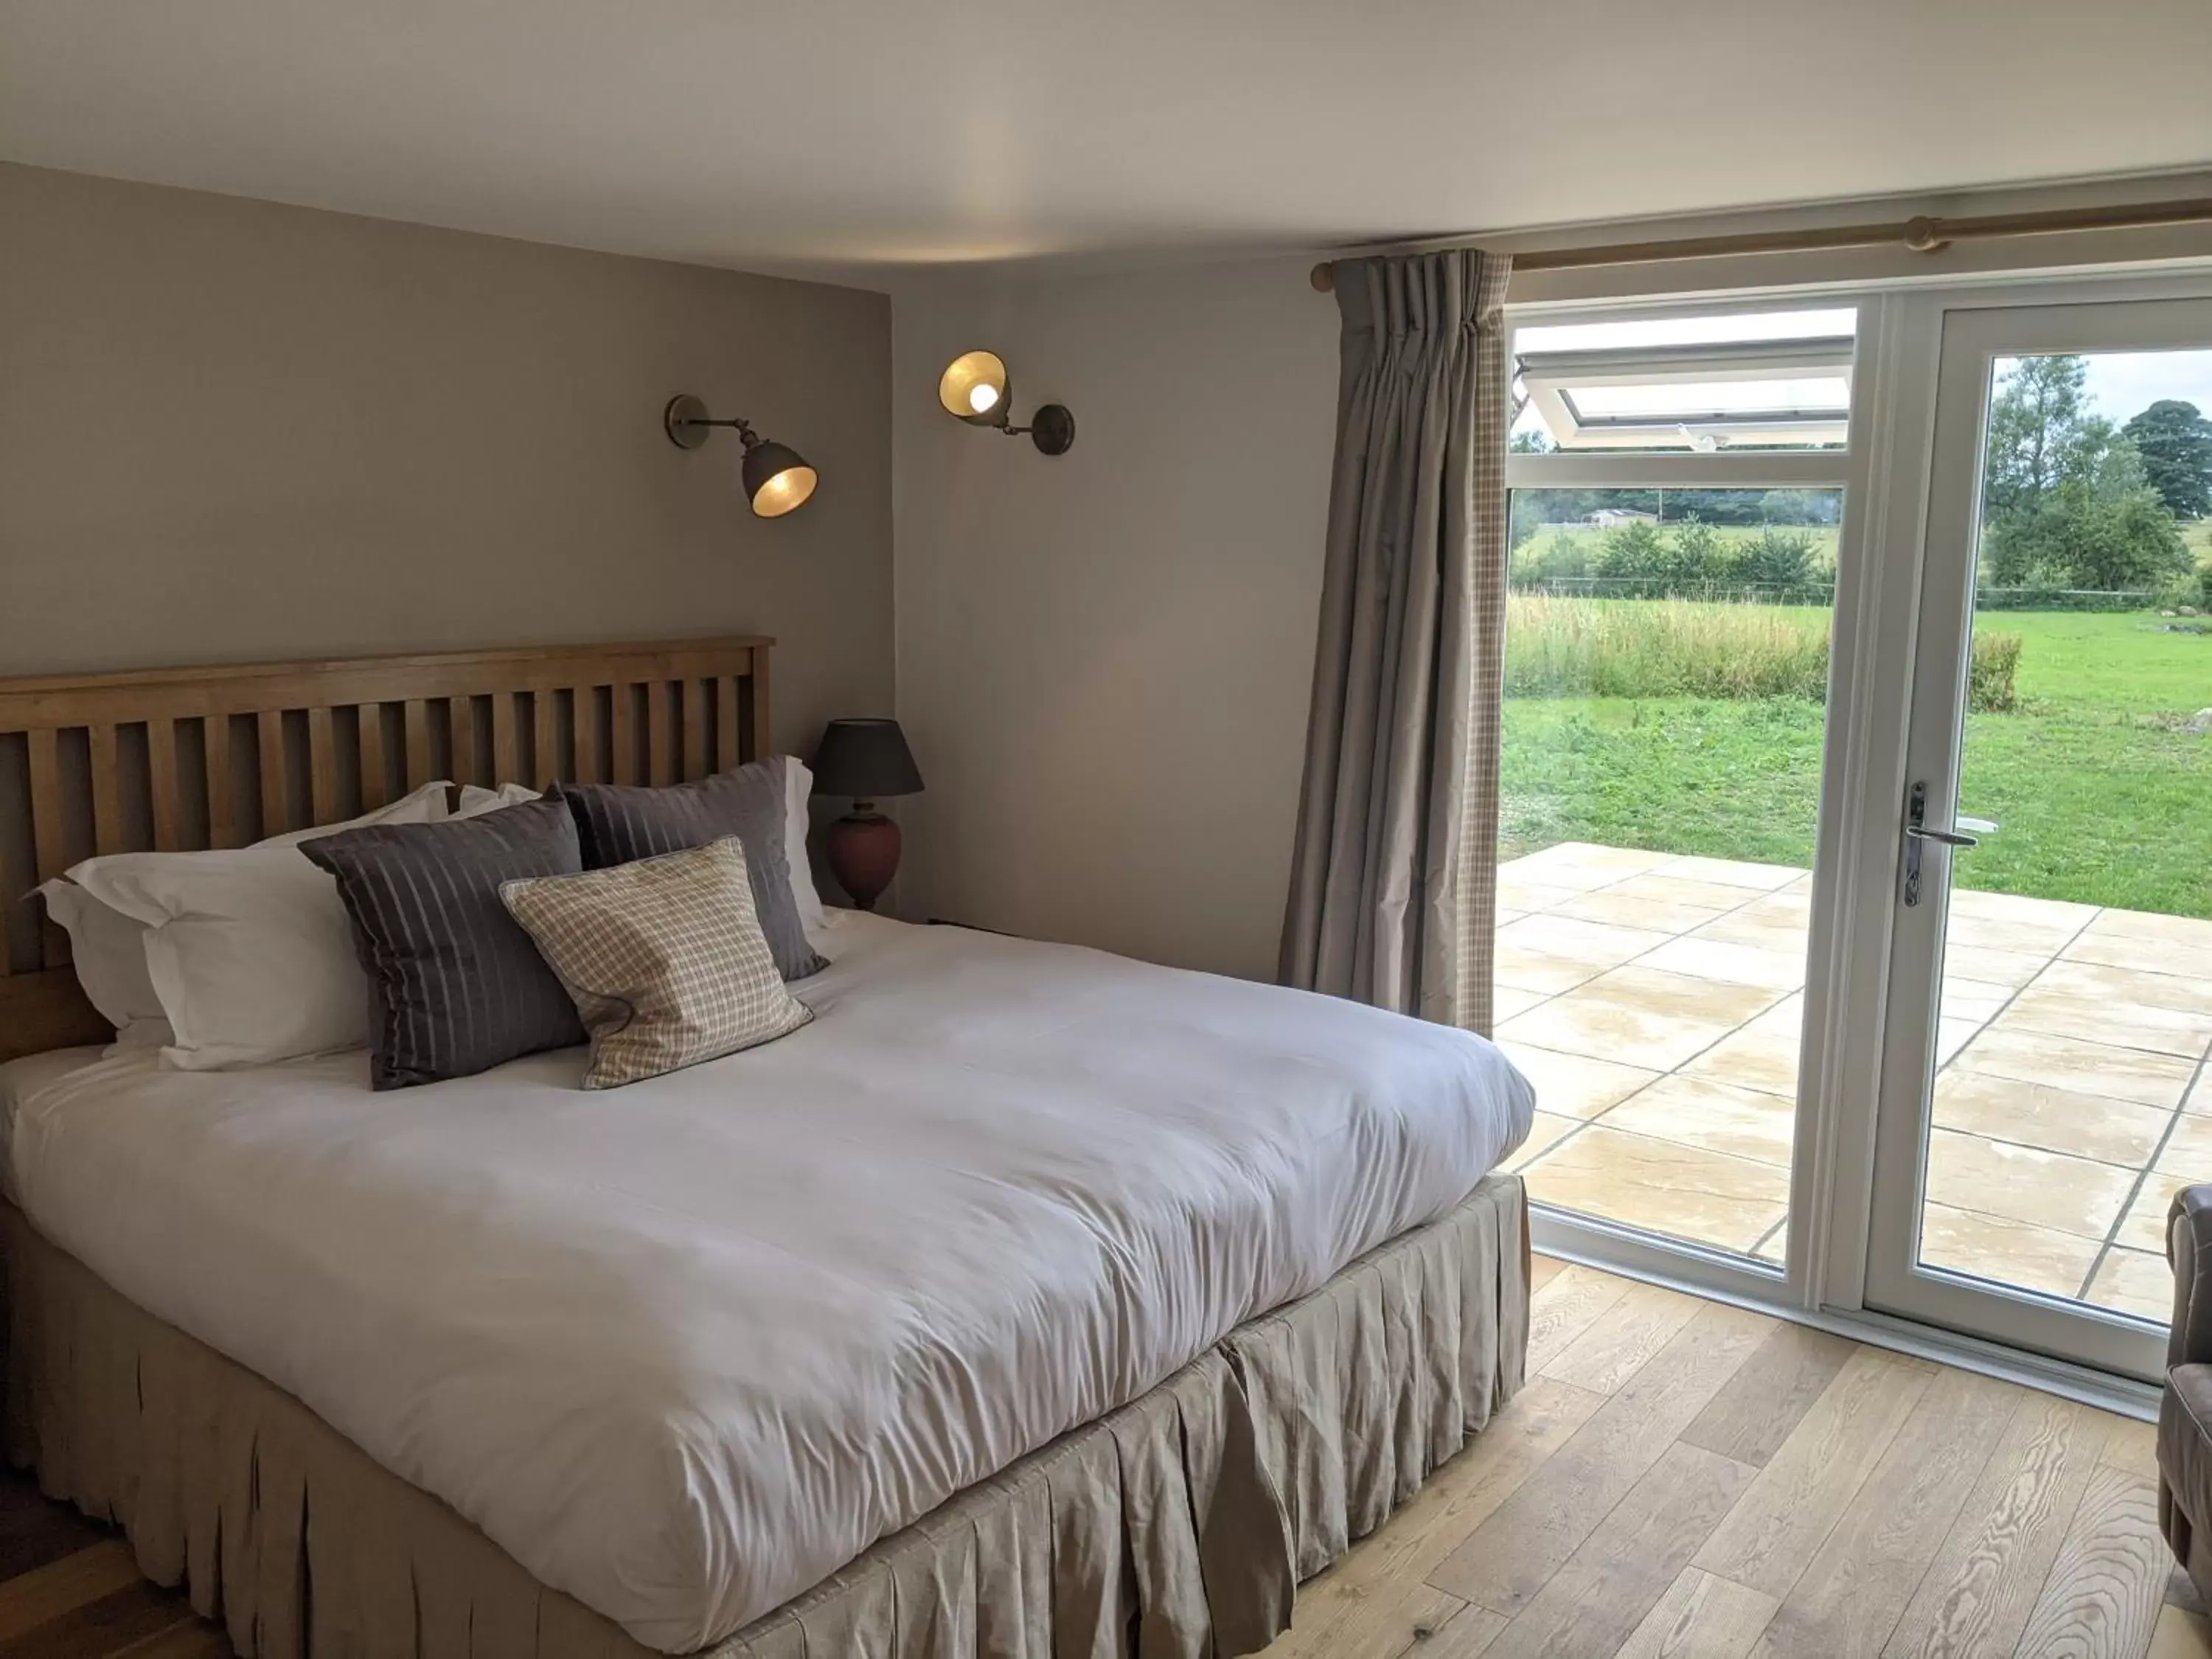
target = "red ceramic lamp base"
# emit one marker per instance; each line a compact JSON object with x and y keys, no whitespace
{"x":864,"y":855}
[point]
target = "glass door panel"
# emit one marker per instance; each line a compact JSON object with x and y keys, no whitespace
{"x":1665,"y":706}
{"x":2051,"y":997}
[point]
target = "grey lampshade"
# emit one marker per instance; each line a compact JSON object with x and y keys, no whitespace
{"x":867,"y":759}
{"x":777,"y":479}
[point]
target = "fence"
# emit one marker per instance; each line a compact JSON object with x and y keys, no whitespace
{"x":1819,"y":593}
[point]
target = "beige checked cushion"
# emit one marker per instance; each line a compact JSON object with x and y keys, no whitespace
{"x":665,"y":957}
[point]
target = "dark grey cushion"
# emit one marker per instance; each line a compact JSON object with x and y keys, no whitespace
{"x":618,"y":824}
{"x":456,"y":986}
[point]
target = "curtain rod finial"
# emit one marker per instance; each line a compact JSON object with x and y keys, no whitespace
{"x":1322,"y":276}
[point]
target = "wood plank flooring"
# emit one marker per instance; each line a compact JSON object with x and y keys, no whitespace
{"x":1685,"y":1480}
{"x":1680,"y":1480}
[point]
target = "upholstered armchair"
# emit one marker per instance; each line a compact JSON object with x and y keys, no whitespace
{"x":2184,"y":1415}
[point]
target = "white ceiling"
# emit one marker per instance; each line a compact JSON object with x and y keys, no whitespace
{"x":830,"y":132}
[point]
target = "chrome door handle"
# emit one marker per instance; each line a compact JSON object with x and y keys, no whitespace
{"x":1918,"y":833}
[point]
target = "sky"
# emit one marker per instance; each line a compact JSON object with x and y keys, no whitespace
{"x":2125,"y":383}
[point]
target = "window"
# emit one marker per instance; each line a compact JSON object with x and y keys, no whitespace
{"x":1781,"y":381}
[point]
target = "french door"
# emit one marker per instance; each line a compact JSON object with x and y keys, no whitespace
{"x":2047,"y":1009}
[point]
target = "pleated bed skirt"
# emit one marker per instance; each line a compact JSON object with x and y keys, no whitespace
{"x":1179,"y":1525}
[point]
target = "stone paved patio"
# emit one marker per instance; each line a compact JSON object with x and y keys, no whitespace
{"x":1656,"y":1002}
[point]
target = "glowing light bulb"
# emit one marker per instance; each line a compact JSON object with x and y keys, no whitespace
{"x":982,"y":396}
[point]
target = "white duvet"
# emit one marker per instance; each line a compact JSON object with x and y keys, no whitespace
{"x":685,"y":1348}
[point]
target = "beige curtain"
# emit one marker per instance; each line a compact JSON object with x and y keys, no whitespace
{"x":1393,"y":884}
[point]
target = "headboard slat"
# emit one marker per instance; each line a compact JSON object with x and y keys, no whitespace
{"x":323,"y":766}
{"x":587,"y":729}
{"x":107,"y":790}
{"x":276,"y":798}
{"x":545,"y":756}
{"x":705,"y":704}
{"x":163,"y":782}
{"x":49,"y":845}
{"x":505,"y":757}
{"x":221,"y":781}
{"x":418,"y":745}
{"x":625,"y":717}
{"x":372,"y":792}
{"x":660,"y":734}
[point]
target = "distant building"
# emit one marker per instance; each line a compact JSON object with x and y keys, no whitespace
{"x":1612,"y":517}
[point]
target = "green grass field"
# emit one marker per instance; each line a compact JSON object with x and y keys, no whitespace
{"x":2102,"y":797}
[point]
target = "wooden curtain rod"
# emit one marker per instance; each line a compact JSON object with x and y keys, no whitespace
{"x":1921,"y":236}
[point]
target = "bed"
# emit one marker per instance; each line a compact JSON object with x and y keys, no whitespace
{"x":1029,"y":1301}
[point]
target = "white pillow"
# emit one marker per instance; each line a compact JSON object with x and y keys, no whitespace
{"x":797,"y":789}
{"x":476,"y":799}
{"x":108,"y":950}
{"x":224,"y":958}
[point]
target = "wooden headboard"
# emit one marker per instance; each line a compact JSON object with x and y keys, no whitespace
{"x":182,"y":759}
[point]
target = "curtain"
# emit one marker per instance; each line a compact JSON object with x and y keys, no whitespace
{"x":1394,"y":880}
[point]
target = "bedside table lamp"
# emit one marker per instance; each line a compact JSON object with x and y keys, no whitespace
{"x":868,"y":760}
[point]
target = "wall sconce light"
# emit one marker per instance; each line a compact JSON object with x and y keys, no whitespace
{"x":776,"y":478}
{"x":975,"y":388}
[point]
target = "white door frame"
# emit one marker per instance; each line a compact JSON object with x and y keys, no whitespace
{"x":1886,"y":474}
{"x":1970,"y":340}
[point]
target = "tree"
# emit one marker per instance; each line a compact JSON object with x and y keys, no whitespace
{"x":2066,"y":497}
{"x":2175,"y":441}
{"x":2041,"y":432}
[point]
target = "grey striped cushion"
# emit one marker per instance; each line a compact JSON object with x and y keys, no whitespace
{"x":456,"y":987}
{"x":618,"y":824}
{"x":663,"y":957}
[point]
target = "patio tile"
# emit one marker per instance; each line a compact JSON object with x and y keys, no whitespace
{"x":1686,"y":996}
{"x":1775,"y":1246}
{"x":1989,"y":933}
{"x":1626,"y":910}
{"x":2107,"y":1020}
{"x":1503,"y":915}
{"x":2009,"y":1252}
{"x":1575,"y":1085}
{"x":1681,"y":1191}
{"x":2018,"y":1183}
{"x":2191,"y":931}
{"x":1580,"y":864}
{"x":2021,"y":908}
{"x":1671,"y":889}
{"x":2138,"y":987}
{"x":1524,"y":895}
{"x":1544,"y":1132}
{"x":1579,"y":1024}
{"x":1516,"y":968}
{"x":2098,"y":1068}
{"x":1762,"y":1055}
{"x":2128,"y":950}
{"x":2136,"y":1282}
{"x":1761,"y":930}
{"x":1971,"y":998}
{"x":2188,"y":1150}
{"x":1737,"y":964}
{"x":1732,"y":873}
{"x":1598,"y":946}
{"x":2200,"y":1096}
{"x":2145,"y":1227}
{"x":1952,"y":1035}
{"x":1507,"y":1000}
{"x":2010,"y":969}
{"x":1715,"y":1115}
{"x":2055,"y":1120}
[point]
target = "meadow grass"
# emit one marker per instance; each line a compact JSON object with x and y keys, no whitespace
{"x":2102,"y":796}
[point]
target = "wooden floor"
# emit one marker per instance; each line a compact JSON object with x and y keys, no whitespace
{"x":1677,"y":1479}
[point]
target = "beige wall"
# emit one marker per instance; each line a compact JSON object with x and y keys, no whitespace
{"x":1104,"y":658}
{"x":231,"y":431}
